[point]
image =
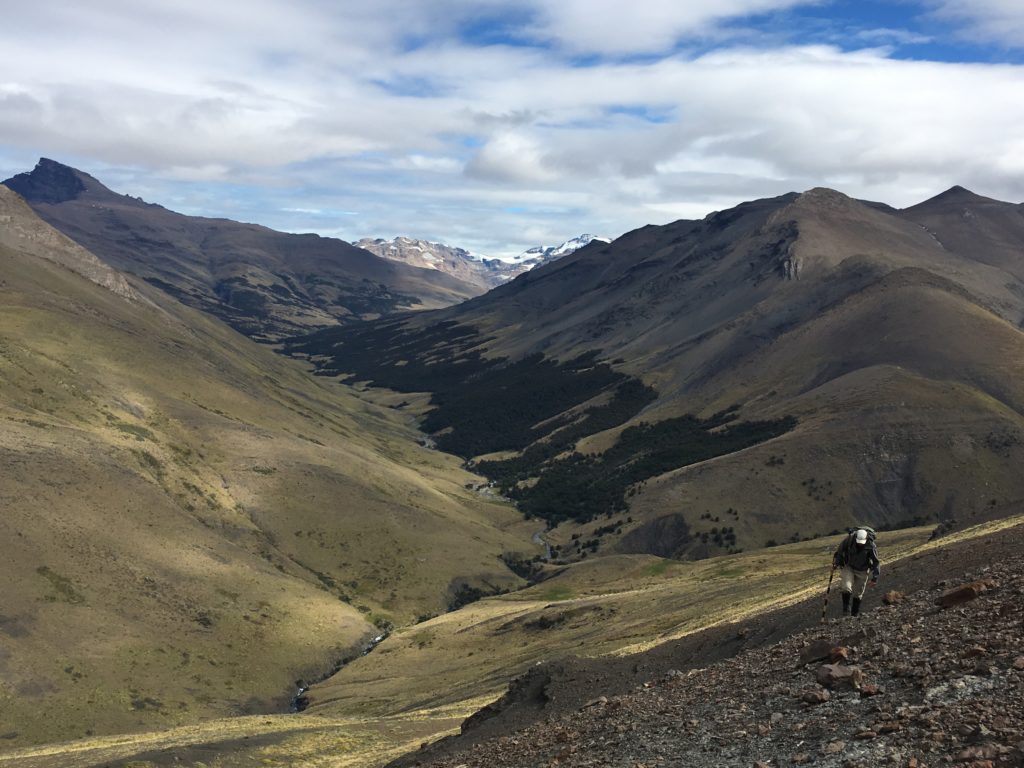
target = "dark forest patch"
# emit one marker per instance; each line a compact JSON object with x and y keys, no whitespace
{"x":534,"y":405}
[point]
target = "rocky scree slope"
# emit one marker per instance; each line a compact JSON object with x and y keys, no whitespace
{"x":934,"y":677}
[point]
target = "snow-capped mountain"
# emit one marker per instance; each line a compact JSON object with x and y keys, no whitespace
{"x":483,"y":271}
{"x":542,"y":254}
{"x":469,"y":267}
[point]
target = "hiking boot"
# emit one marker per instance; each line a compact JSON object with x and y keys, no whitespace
{"x":855,"y":610}
{"x":846,"y":603}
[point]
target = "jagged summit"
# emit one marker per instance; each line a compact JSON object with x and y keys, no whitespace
{"x":49,"y":182}
{"x":265,"y":283}
{"x":53,"y":183}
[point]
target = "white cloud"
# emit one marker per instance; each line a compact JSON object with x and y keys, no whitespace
{"x":512,"y":157}
{"x":1001,"y":21}
{"x":298,"y":107}
{"x":612,"y":26}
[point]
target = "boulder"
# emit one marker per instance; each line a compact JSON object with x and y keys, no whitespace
{"x":816,"y":650}
{"x":816,"y":696}
{"x":892,"y":597}
{"x":840,"y":676}
{"x":964,"y":593}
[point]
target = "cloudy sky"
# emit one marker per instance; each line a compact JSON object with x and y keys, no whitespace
{"x":497,"y":125}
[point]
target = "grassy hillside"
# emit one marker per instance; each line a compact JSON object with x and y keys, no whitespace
{"x":422,"y":681}
{"x":192,"y":523}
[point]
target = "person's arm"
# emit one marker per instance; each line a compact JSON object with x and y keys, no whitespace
{"x":875,"y":563}
{"x":839,"y":556}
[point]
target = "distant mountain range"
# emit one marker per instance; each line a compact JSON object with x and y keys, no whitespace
{"x":773,"y":371}
{"x":265,"y":284}
{"x":472,"y":268}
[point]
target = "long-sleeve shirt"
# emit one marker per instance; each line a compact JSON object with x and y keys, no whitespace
{"x":860,"y":557}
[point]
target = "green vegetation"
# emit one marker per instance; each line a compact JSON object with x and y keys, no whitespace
{"x":581,"y":487}
{"x":481,"y":405}
{"x":139,"y":433}
{"x":62,"y":585}
{"x":537,"y":407}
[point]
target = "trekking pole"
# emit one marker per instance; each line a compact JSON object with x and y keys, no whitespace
{"x":824,"y":608}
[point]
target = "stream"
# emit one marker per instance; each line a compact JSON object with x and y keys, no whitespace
{"x":300,"y":701}
{"x":538,"y":538}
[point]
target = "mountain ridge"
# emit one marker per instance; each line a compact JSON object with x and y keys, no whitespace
{"x":842,"y":315}
{"x":264,"y":283}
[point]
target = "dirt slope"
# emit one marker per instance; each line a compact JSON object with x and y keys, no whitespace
{"x":893,"y":339}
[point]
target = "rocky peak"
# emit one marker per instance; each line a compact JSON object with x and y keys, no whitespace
{"x":823,"y":197}
{"x":48,"y":182}
{"x":956,"y":197}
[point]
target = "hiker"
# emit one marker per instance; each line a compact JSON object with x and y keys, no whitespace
{"x":856,"y":555}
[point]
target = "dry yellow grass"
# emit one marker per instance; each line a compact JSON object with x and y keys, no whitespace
{"x":192,"y":522}
{"x":432,"y":675}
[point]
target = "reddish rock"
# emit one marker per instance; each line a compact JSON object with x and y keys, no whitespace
{"x":983,"y":752}
{"x":964,"y":593}
{"x":892,"y":597}
{"x":801,"y":758}
{"x":817,"y":650}
{"x":838,"y":654}
{"x":869,"y":689}
{"x":839,"y":676}
{"x":1018,"y":663}
{"x":865,"y":735}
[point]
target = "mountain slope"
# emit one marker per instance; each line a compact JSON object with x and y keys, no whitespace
{"x":930,"y":687}
{"x":265,"y":284}
{"x":798,"y":364}
{"x":192,"y":523}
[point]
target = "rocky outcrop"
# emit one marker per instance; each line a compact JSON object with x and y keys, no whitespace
{"x":22,"y":230}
